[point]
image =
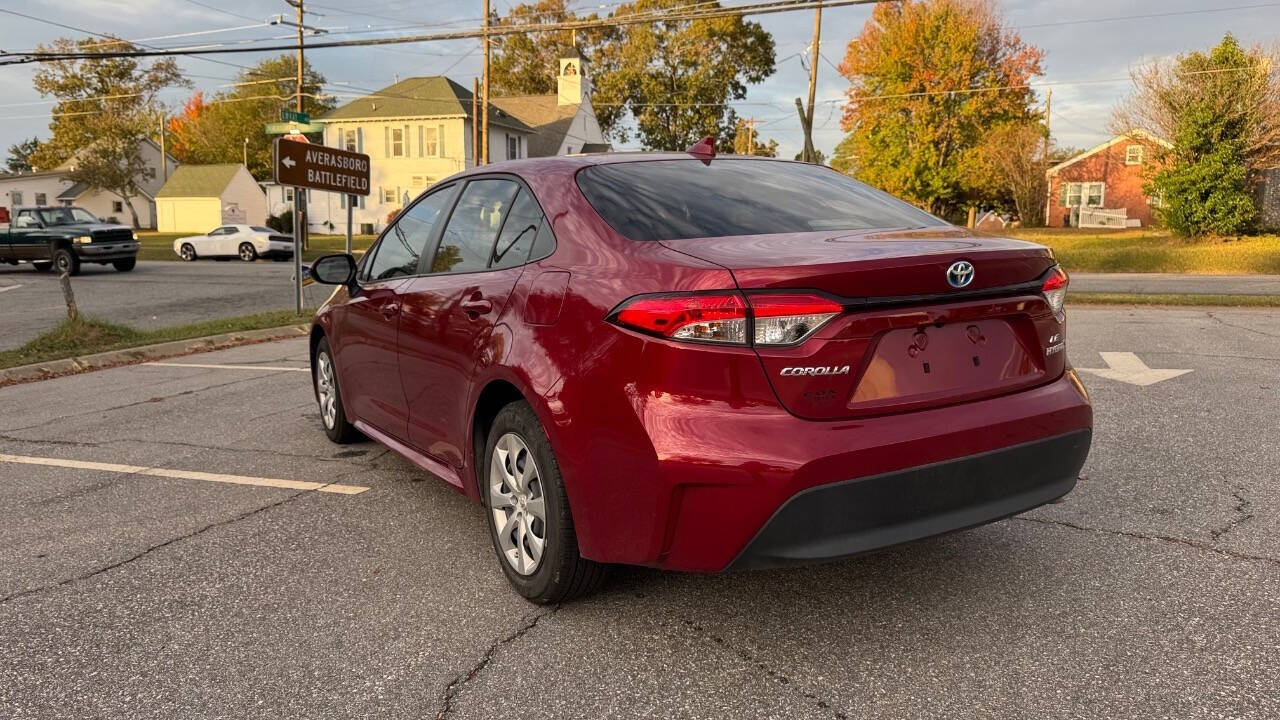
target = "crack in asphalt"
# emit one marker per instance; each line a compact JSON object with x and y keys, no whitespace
{"x":775,"y":675}
{"x":461,"y":679}
{"x":1217,"y":319}
{"x":1145,"y":536}
{"x":1242,"y":515}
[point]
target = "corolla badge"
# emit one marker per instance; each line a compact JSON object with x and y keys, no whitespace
{"x":960,"y":274}
{"x":815,"y":371}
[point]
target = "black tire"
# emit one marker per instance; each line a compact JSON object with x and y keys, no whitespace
{"x":187,"y":252}
{"x":42,"y":266}
{"x":248,"y":252}
{"x":562,"y":574}
{"x":125,"y":265}
{"x":65,"y":261}
{"x":338,"y":430}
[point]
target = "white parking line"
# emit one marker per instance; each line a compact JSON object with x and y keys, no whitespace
{"x":3,"y":288}
{"x":230,"y":367}
{"x":185,"y":474}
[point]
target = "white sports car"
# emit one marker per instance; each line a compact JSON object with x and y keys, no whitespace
{"x":247,"y":242}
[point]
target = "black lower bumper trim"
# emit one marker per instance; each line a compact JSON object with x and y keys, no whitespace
{"x":855,"y":516}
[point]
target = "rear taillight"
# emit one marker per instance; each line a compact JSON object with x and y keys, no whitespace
{"x":1055,"y":290}
{"x":777,"y":318}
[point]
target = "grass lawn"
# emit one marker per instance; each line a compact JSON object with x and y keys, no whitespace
{"x":1151,"y":251}
{"x":1189,"y":300}
{"x":87,"y":336}
{"x":159,"y":246}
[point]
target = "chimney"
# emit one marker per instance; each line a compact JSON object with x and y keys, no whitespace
{"x":571,"y":83}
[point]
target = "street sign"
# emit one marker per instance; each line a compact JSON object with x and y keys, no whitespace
{"x":284,"y":128}
{"x":297,"y":117}
{"x":321,"y":168}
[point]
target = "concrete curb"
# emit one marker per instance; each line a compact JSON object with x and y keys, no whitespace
{"x":143,"y":353}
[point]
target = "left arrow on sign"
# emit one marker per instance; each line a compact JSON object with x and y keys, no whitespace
{"x":288,"y":162}
{"x":1129,"y":368}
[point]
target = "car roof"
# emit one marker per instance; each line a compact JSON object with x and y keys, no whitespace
{"x":574,"y":162}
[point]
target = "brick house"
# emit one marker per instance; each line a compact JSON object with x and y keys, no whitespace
{"x":1102,"y":187}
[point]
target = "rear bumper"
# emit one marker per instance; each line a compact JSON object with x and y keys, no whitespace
{"x":276,"y":253}
{"x":105,"y":253}
{"x":856,"y":516}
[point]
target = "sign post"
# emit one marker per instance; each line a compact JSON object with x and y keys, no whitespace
{"x":316,"y":167}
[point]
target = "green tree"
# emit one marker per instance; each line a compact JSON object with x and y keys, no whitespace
{"x":105,"y":109}
{"x":527,"y":63}
{"x":215,"y":130}
{"x":1221,"y":110}
{"x":675,"y":78}
{"x":746,"y":141}
{"x":1011,"y":159}
{"x":929,"y":79}
{"x":843,"y":158}
{"x":20,"y":155}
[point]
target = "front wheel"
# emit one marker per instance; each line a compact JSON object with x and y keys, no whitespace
{"x":529,"y":519}
{"x":65,"y":261}
{"x":324,"y":376}
{"x":247,"y":252}
{"x":125,"y":265}
{"x":187,"y":252}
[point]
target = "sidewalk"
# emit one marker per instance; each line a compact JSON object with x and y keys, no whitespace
{"x":1175,"y":284}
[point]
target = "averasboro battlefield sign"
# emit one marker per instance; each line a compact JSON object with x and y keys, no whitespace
{"x":317,"y":167}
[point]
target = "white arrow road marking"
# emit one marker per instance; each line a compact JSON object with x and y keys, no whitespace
{"x":185,"y":474}
{"x":1129,"y":368}
{"x":288,"y":162}
{"x":3,"y":288}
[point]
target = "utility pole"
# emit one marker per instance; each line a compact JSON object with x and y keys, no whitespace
{"x":298,"y":5}
{"x":809,"y":154}
{"x":244,"y":153}
{"x":751,"y":136}
{"x":484,"y":105}
{"x":475,"y":121}
{"x":164,"y":157}
{"x":1048,"y":186}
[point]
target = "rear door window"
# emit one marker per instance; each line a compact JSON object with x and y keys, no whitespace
{"x":518,"y":232}
{"x":469,"y":237}
{"x":678,"y":199}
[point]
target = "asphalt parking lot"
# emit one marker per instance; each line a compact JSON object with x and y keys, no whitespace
{"x":162,"y":560}
{"x":153,"y":295}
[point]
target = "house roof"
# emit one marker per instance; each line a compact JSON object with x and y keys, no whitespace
{"x":434,"y":96}
{"x":199,"y":180}
{"x":74,"y":191}
{"x":1134,"y":135}
{"x":549,"y":119}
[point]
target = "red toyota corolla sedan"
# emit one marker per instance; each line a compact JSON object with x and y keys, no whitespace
{"x":700,"y":364}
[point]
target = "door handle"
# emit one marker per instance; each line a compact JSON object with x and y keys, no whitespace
{"x":476,"y":306}
{"x":389,"y":310}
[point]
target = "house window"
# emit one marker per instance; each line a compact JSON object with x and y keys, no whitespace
{"x":1083,"y":194}
{"x":428,"y":142}
{"x":41,"y":199}
{"x":1133,"y":155}
{"x":513,"y":147}
{"x":288,"y":194}
{"x":16,"y":197}
{"x":388,"y":196}
{"x":419,"y":180}
{"x":117,"y":206}
{"x":349,"y":141}
{"x":395,"y":143}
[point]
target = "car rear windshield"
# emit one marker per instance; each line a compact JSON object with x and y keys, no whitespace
{"x":259,"y":228}
{"x":677,"y":199}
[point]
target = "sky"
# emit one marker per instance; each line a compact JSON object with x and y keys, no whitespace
{"x":1090,"y":47}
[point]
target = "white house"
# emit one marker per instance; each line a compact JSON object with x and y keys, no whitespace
{"x":199,"y":198}
{"x":419,"y":131}
{"x":53,"y":187}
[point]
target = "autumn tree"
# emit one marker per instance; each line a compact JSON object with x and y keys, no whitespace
{"x":105,"y":108}
{"x":232,"y":124}
{"x":1221,"y":111}
{"x":675,"y":78}
{"x":928,"y":80}
{"x":527,"y":63}
{"x":1011,"y":160}
{"x":19,"y":159}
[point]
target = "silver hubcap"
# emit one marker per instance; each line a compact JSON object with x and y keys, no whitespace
{"x":325,"y":390}
{"x":516,"y":504}
{"x":187,"y":252}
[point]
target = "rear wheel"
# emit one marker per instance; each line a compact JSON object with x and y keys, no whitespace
{"x":125,"y":265}
{"x":324,"y":374}
{"x":529,"y":520}
{"x":65,"y":261}
{"x":247,"y":252}
{"x":187,"y":252}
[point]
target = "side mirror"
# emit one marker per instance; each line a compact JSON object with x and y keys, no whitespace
{"x":334,"y":269}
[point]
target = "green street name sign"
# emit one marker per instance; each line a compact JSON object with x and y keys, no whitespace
{"x":284,"y":128}
{"x":298,"y":117}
